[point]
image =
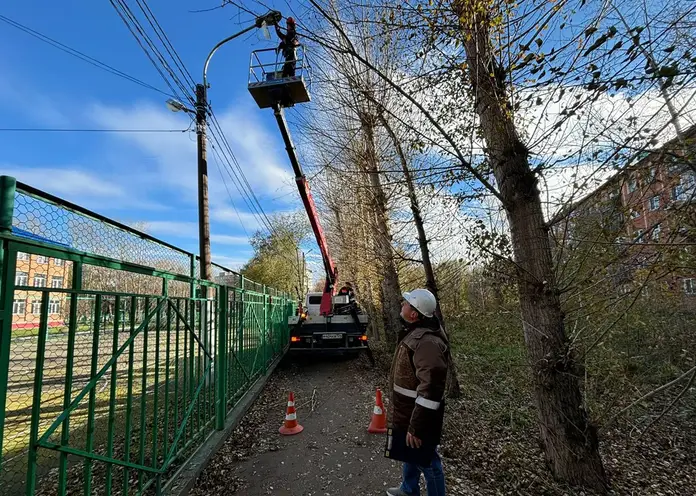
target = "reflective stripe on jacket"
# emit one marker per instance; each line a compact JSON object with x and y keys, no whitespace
{"x":419,"y":378}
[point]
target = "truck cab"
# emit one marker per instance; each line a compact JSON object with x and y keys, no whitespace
{"x":312,"y":303}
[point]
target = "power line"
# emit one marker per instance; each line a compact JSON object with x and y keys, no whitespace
{"x":244,"y":185}
{"x":78,"y":54}
{"x":65,"y":130}
{"x":165,"y":40}
{"x":224,"y":182}
{"x":151,"y":51}
{"x":240,"y":173}
{"x":173,"y":77}
{"x":223,"y":153}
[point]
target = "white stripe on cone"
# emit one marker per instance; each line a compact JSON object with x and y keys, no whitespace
{"x":291,"y":416}
{"x":291,"y":403}
{"x":378,"y":410}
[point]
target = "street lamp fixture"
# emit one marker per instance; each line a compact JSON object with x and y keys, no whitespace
{"x":177,"y":106}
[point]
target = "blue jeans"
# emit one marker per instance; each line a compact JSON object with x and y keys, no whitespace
{"x":434,"y":478}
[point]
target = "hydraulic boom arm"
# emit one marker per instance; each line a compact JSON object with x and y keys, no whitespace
{"x":310,"y":207}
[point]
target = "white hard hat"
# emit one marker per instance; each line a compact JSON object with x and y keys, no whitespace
{"x":422,"y":300}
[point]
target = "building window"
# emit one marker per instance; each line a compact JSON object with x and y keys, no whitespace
{"x":635,"y":214}
{"x":656,"y":232}
{"x":21,"y":279}
{"x":58,"y":262}
{"x":688,"y":183}
{"x":22,"y":256}
{"x":674,"y":165}
{"x":632,"y":184}
{"x":36,"y":307}
{"x":19,"y":307}
{"x":690,"y":286}
{"x":685,"y":189}
{"x":654,"y":203}
{"x":54,"y":306}
{"x":57,"y":282}
{"x":639,"y":236}
{"x":677,"y":193}
{"x":40,"y":259}
{"x":652,"y":175}
{"x":39,"y":280}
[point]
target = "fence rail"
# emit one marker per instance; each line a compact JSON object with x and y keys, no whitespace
{"x":116,"y":360}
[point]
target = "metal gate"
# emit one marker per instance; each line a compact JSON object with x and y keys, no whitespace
{"x":116,"y":361}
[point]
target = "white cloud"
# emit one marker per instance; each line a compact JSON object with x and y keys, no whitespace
{"x":263,"y":160}
{"x":446,"y":226}
{"x":22,"y":97}
{"x":80,"y":187}
{"x":171,"y":157}
{"x":233,"y":263}
{"x":598,"y":124}
{"x":224,"y":239}
{"x":190,"y":230}
{"x":65,"y":182}
{"x":230,"y":216}
{"x":172,"y":228}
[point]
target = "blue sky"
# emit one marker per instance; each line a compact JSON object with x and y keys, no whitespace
{"x":137,"y":178}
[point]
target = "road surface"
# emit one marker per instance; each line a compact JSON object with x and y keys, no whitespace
{"x":333,"y":456}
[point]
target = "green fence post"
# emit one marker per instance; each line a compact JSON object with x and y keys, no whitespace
{"x":221,"y":358}
{"x":8,"y":261}
{"x":165,"y":429}
{"x":89,"y":445}
{"x":67,"y":395}
{"x":240,"y":332}
{"x":129,"y":395}
{"x":112,"y":398}
{"x":8,"y":190}
{"x":36,"y":405}
{"x":266,"y":331}
{"x":192,"y":286}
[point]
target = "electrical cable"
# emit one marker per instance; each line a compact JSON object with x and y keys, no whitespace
{"x":66,"y":130}
{"x":78,"y":54}
{"x":240,"y":172}
{"x":134,"y":27}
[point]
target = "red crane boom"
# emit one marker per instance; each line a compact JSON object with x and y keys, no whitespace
{"x":326,"y":307}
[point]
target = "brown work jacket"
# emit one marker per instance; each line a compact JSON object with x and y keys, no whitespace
{"x":419,"y":378}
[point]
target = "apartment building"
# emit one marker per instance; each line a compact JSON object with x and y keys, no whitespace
{"x":39,"y":272}
{"x":648,"y":209}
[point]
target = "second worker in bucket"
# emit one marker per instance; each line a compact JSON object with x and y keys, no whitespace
{"x":419,"y":378}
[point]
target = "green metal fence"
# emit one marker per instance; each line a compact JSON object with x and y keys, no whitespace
{"x":116,"y":361}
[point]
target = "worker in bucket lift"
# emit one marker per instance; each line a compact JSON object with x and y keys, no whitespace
{"x":419,"y":379}
{"x":288,"y":45}
{"x":347,"y":289}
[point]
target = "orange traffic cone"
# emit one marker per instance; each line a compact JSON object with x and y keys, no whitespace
{"x":290,"y":426}
{"x":378,"y":425}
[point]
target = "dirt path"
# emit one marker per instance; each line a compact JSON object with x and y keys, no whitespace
{"x":333,"y":456}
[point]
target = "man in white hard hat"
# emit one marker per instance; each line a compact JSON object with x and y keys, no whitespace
{"x":419,"y":378}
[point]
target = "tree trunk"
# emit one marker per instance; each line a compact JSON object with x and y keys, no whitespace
{"x":569,"y":439}
{"x":366,"y":252}
{"x":453,"y":388}
{"x":390,"y":279}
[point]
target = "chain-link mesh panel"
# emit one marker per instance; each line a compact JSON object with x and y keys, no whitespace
{"x":58,"y":224}
{"x":118,"y":281}
{"x":222,"y":275}
{"x":253,"y":286}
{"x":39,"y":282}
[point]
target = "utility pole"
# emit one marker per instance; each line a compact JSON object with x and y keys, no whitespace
{"x":201,"y":112}
{"x":203,"y":213}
